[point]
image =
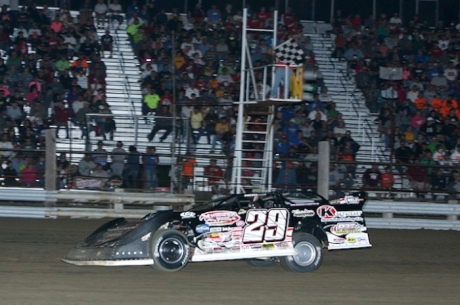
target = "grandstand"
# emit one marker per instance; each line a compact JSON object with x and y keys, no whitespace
{"x":126,"y":87}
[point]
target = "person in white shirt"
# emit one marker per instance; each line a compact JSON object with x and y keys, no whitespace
{"x":186,"y":46}
{"x":225,"y":78}
{"x":22,"y":29}
{"x":412,"y":95}
{"x":324,"y":96}
{"x":194,"y":50}
{"x":118,"y":159}
{"x":70,"y":41}
{"x":148,"y":69}
{"x":443,"y":42}
{"x":34,"y":32}
{"x":101,"y":10}
{"x":395,"y":22}
{"x":5,"y":144}
{"x":192,"y":90}
{"x":100,"y":174}
{"x":78,"y":104}
{"x":136,"y":17}
{"x":115,"y":10}
{"x":312,"y":114}
{"x":451,"y":73}
{"x":82,"y":80}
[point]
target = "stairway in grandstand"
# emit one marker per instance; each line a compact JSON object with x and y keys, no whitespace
{"x":125,"y":100}
{"x":351,"y":103}
{"x":349,"y":100}
{"x":122,"y":90}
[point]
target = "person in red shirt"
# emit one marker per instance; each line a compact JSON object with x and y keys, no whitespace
{"x":263,"y":16}
{"x":388,"y":179}
{"x":166,"y":99}
{"x":340,"y":43}
{"x":97,"y":80}
{"x":254,"y":23}
{"x":418,"y":175}
{"x":436,"y":51}
{"x":62,"y":119}
{"x":29,"y":175}
{"x":288,"y":17}
{"x":356,"y":22}
{"x":56,"y":25}
{"x":214,"y":173}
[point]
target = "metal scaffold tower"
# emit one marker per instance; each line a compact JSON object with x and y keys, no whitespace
{"x":253,"y":157}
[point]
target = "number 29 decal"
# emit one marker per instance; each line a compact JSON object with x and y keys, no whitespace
{"x":265,"y":225}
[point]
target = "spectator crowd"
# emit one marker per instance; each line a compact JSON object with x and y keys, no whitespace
{"x":52,"y":72}
{"x":417,"y":105}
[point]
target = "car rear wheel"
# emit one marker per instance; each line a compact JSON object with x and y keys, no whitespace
{"x":261,"y":262}
{"x":170,"y":250}
{"x":309,"y":256}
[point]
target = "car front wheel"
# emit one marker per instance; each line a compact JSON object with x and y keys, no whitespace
{"x":309,"y":256}
{"x":170,"y":250}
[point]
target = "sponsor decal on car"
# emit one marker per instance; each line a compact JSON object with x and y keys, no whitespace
{"x":219,"y":218}
{"x":268,"y":246}
{"x":303,"y":213}
{"x":242,"y":211}
{"x":351,"y":240}
{"x":342,"y":219}
{"x":327,"y":212}
{"x":346,"y":228}
{"x":302,"y":203}
{"x":203,"y":228}
{"x":187,"y":215}
{"x":331,"y":238}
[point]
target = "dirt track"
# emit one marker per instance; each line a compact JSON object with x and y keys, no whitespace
{"x":403,"y":267}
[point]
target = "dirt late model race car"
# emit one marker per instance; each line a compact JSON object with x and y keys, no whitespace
{"x":262,"y":228}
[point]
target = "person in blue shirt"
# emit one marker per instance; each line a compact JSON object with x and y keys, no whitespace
{"x":213,"y":15}
{"x":291,"y":130}
{"x":316,"y":103}
{"x":353,"y":53}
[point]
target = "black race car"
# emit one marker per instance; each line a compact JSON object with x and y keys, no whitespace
{"x":261,"y":228}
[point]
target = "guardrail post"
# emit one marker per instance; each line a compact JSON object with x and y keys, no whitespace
{"x":452,"y":217}
{"x":323,"y":168}
{"x":50,"y":159}
{"x":387,"y":215}
{"x":118,"y":202}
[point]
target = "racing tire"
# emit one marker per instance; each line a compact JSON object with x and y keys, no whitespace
{"x":260,"y":262}
{"x":170,"y":250}
{"x":309,"y":256}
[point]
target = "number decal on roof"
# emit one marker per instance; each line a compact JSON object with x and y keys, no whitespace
{"x":265,"y":225}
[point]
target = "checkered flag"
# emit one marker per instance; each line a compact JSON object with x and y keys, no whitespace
{"x":289,"y":52}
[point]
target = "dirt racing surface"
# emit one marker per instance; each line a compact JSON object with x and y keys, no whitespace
{"x":403,"y":267}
